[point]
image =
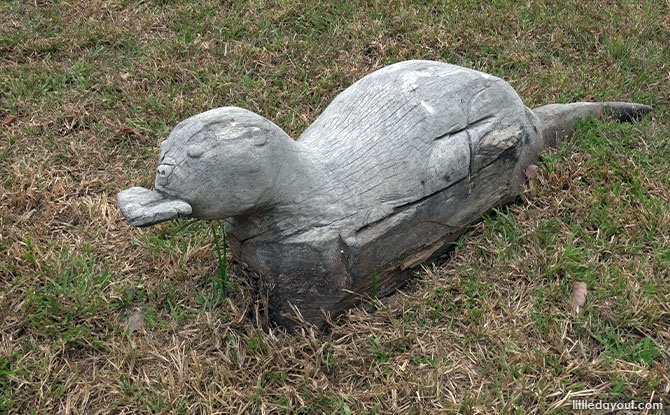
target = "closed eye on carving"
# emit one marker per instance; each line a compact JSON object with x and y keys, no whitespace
{"x":194,"y":151}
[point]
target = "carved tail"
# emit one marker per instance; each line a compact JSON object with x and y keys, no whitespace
{"x":558,"y":120}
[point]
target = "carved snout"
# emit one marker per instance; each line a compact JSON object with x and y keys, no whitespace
{"x":144,"y":207}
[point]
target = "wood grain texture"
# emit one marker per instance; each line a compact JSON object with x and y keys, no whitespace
{"x":392,"y":171}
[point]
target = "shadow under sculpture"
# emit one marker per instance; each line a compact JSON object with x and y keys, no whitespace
{"x":395,"y":168}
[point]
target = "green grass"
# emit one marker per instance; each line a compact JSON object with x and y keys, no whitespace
{"x":486,"y":329}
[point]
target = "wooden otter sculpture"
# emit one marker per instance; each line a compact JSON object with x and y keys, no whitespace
{"x":393,"y":170}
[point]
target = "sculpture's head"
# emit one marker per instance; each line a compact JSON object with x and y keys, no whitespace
{"x":213,"y":165}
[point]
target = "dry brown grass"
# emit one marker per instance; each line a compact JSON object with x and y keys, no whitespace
{"x":488,"y":330}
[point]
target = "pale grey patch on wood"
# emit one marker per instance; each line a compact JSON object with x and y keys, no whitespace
{"x":395,"y":168}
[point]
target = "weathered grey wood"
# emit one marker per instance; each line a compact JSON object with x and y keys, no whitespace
{"x":392,"y":171}
{"x":558,"y":120}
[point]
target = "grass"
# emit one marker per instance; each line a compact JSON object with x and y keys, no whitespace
{"x":487,"y":330}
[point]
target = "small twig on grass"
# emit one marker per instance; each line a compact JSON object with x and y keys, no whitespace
{"x":222,"y":259}
{"x":374,"y":289}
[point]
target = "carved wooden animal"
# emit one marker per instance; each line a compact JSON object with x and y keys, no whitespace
{"x":393,"y":170}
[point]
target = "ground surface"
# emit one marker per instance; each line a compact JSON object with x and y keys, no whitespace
{"x":488,"y":330}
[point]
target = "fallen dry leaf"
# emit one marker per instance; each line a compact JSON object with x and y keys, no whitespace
{"x":11,"y":119}
{"x":532,"y":171}
{"x":6,"y":49}
{"x":135,"y":321}
{"x":126,"y":132}
{"x":578,"y":296}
